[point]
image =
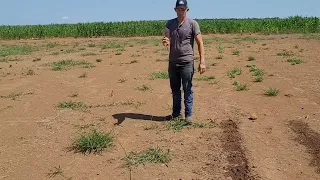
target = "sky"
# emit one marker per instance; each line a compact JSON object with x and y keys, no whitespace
{"x":22,"y":12}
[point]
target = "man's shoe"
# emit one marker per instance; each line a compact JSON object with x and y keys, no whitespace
{"x":189,"y":118}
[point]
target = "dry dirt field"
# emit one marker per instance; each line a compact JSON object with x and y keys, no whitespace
{"x":119,"y":85}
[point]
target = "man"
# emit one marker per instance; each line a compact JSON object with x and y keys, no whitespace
{"x":179,"y":35}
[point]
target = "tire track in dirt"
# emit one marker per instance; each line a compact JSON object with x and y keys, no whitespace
{"x":308,"y":138}
{"x":238,"y":167}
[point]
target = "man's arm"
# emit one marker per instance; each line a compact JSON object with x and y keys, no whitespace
{"x":200,"y":47}
{"x":166,"y":32}
{"x":166,"y":35}
{"x":199,"y":41}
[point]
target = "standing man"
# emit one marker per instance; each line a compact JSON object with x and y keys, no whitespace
{"x":179,"y":35}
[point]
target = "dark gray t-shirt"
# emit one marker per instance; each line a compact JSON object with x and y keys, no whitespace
{"x":182,"y":39}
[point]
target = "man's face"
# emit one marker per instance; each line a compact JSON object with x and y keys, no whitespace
{"x":181,"y":12}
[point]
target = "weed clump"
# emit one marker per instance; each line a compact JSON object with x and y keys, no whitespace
{"x":93,"y":142}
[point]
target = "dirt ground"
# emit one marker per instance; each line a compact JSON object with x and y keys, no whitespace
{"x":281,"y":142}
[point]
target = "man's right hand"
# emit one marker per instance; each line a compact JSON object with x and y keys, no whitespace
{"x":165,"y":41}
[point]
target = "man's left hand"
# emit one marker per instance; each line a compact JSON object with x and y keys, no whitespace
{"x":202,"y":68}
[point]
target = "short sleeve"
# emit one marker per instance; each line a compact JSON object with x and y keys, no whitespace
{"x":196,"y":28}
{"x":167,"y":27}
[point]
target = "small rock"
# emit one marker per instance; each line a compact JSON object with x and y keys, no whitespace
{"x":253,"y":116}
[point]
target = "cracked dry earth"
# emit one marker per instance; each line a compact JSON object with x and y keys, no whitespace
{"x":280,"y":143}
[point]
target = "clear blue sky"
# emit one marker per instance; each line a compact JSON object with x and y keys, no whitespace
{"x":20,"y":12}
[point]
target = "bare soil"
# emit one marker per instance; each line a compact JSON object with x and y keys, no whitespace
{"x":281,"y":143}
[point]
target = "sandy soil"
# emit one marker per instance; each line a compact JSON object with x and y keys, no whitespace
{"x":281,"y":143}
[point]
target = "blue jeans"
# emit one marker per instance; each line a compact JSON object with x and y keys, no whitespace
{"x":181,"y":73}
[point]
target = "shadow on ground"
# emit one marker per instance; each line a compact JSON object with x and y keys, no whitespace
{"x":308,"y":138}
{"x":122,"y":116}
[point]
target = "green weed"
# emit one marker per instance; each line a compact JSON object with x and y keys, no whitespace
{"x":151,"y":155}
{"x":234,"y":72}
{"x":272,"y":92}
{"x":295,"y":61}
{"x":94,"y":141}
{"x":72,"y":105}
{"x":160,"y":75}
{"x":239,"y":86}
{"x":6,"y":50}
{"x":67,"y":64}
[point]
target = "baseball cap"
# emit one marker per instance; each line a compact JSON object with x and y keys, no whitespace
{"x":181,"y":4}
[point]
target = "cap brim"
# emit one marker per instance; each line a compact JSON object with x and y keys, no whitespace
{"x":182,"y":6}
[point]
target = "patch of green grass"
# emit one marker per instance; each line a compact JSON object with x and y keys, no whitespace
{"x":151,"y":155}
{"x":67,"y":64}
{"x":6,"y":50}
{"x":160,"y":75}
{"x":72,"y":105}
{"x":236,"y":52}
{"x":251,"y":58}
{"x":311,"y":36}
{"x":178,"y":124}
{"x":285,"y":53}
{"x":220,"y":48}
{"x":295,"y":61}
{"x":258,"y":73}
{"x":8,"y":59}
{"x":204,"y":78}
{"x":94,"y":141}
{"x":258,"y":78}
{"x":239,"y":86}
{"x":235,"y":71}
{"x":272,"y":92}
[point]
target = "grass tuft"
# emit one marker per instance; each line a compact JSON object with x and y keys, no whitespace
{"x":72,"y":105}
{"x":234,"y":72}
{"x":6,"y":50}
{"x":251,"y":58}
{"x":239,"y":86}
{"x":272,"y":92}
{"x":67,"y":64}
{"x":93,"y":142}
{"x":295,"y":61}
{"x":151,"y":155}
{"x":204,"y":78}
{"x":160,"y":75}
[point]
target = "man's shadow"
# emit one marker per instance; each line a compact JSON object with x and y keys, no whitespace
{"x":122,"y":116}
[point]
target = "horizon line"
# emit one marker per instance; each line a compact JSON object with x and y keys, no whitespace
{"x":124,"y":21}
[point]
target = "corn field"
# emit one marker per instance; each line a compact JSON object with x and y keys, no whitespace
{"x":294,"y":24}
